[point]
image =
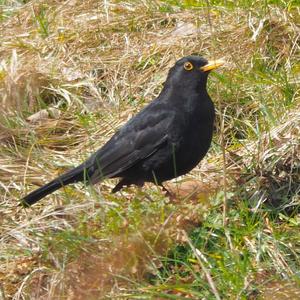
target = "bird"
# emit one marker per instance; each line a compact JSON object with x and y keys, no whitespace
{"x":166,"y":139}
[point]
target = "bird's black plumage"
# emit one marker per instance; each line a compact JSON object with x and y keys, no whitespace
{"x":166,"y":139}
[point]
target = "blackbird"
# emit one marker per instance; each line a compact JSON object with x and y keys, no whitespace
{"x":166,"y":139}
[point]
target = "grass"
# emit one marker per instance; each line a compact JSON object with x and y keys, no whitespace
{"x":71,"y":74}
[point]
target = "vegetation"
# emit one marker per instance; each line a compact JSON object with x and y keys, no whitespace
{"x":71,"y":73}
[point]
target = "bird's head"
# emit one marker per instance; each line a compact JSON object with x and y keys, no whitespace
{"x":192,"y":71}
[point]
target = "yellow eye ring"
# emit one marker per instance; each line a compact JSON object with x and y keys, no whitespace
{"x":188,"y":66}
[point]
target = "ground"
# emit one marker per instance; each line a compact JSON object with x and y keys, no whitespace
{"x":71,"y":73}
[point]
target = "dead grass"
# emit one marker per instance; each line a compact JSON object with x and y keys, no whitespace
{"x":96,"y":64}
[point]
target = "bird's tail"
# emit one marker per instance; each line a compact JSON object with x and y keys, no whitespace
{"x":74,"y":175}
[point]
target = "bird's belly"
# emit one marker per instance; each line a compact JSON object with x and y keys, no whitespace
{"x":165,"y":165}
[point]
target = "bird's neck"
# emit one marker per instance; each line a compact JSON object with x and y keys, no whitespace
{"x":189,"y":84}
{"x":195,"y":101}
{"x":185,"y":95}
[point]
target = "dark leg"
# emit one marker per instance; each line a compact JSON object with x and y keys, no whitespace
{"x":126,"y":182}
{"x":119,"y":186}
{"x":167,"y":192}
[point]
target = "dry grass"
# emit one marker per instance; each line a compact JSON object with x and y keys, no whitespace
{"x":91,"y":65}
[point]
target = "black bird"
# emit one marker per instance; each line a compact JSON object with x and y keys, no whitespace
{"x":168,"y":138}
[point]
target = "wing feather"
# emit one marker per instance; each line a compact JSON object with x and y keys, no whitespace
{"x":140,"y":138}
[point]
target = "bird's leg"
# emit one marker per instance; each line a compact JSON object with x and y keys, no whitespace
{"x":164,"y":188}
{"x":119,"y":186}
{"x":168,"y":194}
{"x":127,"y":182}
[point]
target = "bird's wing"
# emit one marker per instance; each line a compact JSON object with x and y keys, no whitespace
{"x":138,"y":139}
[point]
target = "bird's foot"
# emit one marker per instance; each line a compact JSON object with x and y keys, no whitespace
{"x":168,"y":193}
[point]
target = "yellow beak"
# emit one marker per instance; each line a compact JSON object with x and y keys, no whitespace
{"x":212,"y":64}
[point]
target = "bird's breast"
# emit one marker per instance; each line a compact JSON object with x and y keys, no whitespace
{"x":195,"y":139}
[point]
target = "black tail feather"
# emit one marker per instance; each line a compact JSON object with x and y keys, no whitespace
{"x":72,"y":176}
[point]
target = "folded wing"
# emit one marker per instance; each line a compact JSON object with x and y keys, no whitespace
{"x":135,"y":142}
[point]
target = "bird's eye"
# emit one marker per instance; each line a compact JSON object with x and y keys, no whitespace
{"x":188,"y":66}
